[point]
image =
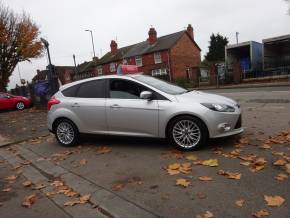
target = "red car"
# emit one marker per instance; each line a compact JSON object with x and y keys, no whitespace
{"x":8,"y":101}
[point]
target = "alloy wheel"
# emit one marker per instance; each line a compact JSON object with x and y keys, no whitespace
{"x":65,"y":133}
{"x":20,"y":105}
{"x":186,"y":133}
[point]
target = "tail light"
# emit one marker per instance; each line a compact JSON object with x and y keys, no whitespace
{"x":52,"y":101}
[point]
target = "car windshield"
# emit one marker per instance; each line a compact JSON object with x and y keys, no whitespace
{"x":161,"y":85}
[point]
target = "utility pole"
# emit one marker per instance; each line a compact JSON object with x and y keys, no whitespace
{"x":237,"y":37}
{"x":92,"y":41}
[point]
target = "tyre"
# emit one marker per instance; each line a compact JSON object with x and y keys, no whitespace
{"x":20,"y":105}
{"x":66,"y":133}
{"x":187,"y":133}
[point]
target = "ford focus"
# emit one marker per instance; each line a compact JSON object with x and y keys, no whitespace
{"x":143,"y":106}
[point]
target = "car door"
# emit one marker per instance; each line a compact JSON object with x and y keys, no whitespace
{"x":5,"y":101}
{"x":127,"y":114}
{"x":89,"y":106}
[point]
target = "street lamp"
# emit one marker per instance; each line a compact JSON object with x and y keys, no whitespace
{"x":50,"y":74}
{"x":92,"y":41}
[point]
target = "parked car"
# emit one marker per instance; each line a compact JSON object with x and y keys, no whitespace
{"x":140,"y":105}
{"x":8,"y":101}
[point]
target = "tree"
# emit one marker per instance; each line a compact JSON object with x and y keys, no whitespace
{"x":216,"y":49}
{"x":19,"y":41}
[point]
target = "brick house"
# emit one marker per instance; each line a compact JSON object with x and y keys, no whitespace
{"x":170,"y":56}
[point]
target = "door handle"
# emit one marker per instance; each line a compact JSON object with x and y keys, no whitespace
{"x":75,"y":105}
{"x":116,"y":106}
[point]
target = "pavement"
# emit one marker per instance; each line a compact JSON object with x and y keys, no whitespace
{"x":127,"y":177}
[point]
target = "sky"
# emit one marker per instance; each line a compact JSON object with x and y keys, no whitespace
{"x":63,"y":24}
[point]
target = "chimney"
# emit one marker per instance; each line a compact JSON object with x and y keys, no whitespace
{"x":189,"y":30}
{"x":114,"y":47}
{"x":152,"y":36}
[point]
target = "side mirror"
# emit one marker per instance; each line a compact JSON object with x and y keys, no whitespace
{"x":146,"y":95}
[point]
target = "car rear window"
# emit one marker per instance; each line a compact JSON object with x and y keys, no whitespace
{"x":71,"y":91}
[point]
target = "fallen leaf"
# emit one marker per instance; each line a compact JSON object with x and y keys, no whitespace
{"x":258,"y":164}
{"x":29,"y":200}
{"x":11,"y":178}
{"x":207,"y":214}
{"x":274,"y":201}
{"x":210,"y":162}
{"x":266,"y":146}
{"x":191,"y":157}
{"x":71,"y":203}
{"x":27,"y":183}
{"x":83,"y":162}
{"x":230,"y":175}
{"x":117,"y":186}
{"x":244,"y":140}
{"x":280,"y":162}
{"x":182,"y":182}
{"x":172,"y":172}
{"x":50,"y":194}
{"x":240,"y":203}
{"x":245,"y":163}
{"x":70,"y":193}
{"x":205,"y":178}
{"x":249,"y":157}
{"x":174,"y":166}
{"x":287,"y":168}
{"x":281,"y":177}
{"x":85,"y":198}
{"x":177,"y":154}
{"x":103,"y":150}
{"x":261,"y":213}
{"x":6,"y":189}
{"x":278,"y":153}
{"x":39,"y":186}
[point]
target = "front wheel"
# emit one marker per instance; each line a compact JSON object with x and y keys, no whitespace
{"x":66,"y":133}
{"x":187,"y":133}
{"x":20,"y":105}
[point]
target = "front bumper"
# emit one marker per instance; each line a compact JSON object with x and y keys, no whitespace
{"x":224,"y":124}
{"x":230,"y":133}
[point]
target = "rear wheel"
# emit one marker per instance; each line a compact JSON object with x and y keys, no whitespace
{"x":20,"y":105}
{"x":187,"y":133}
{"x":66,"y":133}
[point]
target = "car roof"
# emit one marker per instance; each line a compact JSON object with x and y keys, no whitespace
{"x":97,"y":78}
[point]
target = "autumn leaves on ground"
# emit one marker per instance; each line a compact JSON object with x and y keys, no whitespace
{"x":182,"y":170}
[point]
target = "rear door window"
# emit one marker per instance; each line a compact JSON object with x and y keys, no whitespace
{"x":92,"y":89}
{"x":71,"y":91}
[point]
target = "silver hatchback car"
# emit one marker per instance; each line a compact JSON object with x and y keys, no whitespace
{"x":140,"y":105}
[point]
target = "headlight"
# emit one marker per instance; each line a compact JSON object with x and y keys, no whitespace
{"x":219,"y":107}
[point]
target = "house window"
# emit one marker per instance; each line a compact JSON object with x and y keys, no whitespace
{"x":138,"y":60}
{"x":99,"y":70}
{"x":112,"y":67}
{"x":159,"y":72}
{"x":157,"y":58}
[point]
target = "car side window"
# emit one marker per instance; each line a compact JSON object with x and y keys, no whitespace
{"x":4,"y":96}
{"x":92,"y":89}
{"x":71,"y":91}
{"x":125,"y":89}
